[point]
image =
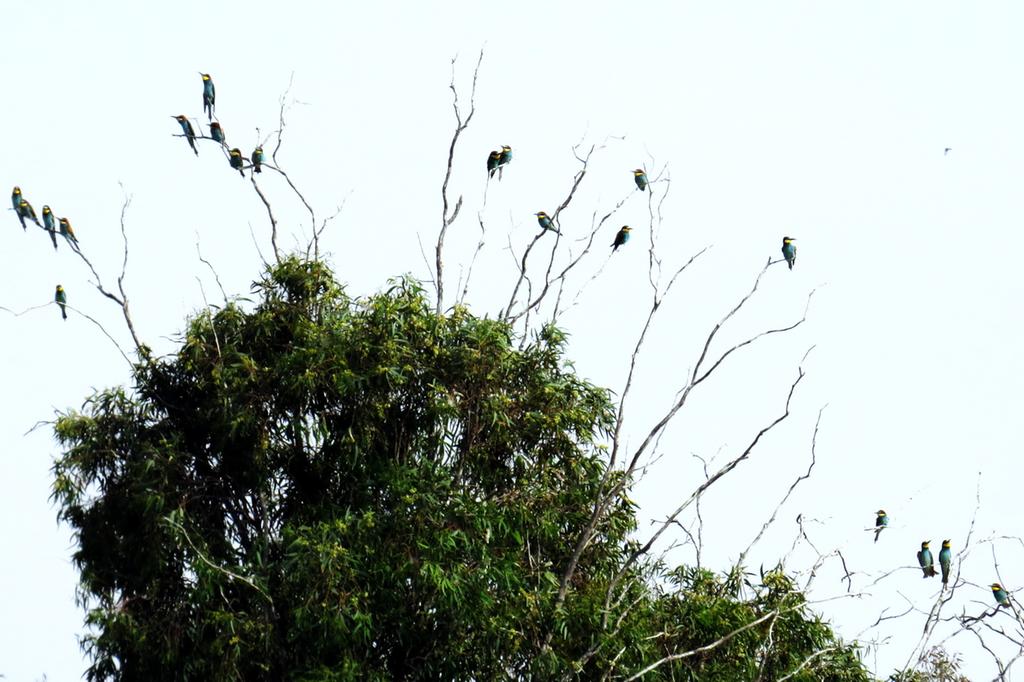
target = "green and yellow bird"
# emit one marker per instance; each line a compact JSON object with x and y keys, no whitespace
{"x":61,"y":299}
{"x":621,"y":237}
{"x":67,"y":232}
{"x":545,"y":222}
{"x":504,"y":159}
{"x":881,"y":521}
{"x":209,"y":95}
{"x":16,"y":197}
{"x":187,"y":130}
{"x":257,"y":159}
{"x":217,"y":132}
{"x":236,"y":161}
{"x":945,"y":560}
{"x":1002,"y":597}
{"x":25,"y":210}
{"x":50,"y":225}
{"x":492,"y":162}
{"x":789,"y":250}
{"x":924,"y":559}
{"x":640,"y":177}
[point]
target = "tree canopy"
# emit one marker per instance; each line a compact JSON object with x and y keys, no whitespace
{"x":316,"y":486}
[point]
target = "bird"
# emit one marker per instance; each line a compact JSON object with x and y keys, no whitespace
{"x":1002,"y":597}
{"x":16,"y":197}
{"x":621,"y":237}
{"x":49,"y":225}
{"x":881,"y":521}
{"x":186,"y":127}
{"x":641,"y":178}
{"x":789,"y":250}
{"x":216,"y":132}
{"x":924,"y":559}
{"x":236,"y":160}
{"x":945,"y":560}
{"x":492,"y":163}
{"x":209,"y":95}
{"x":257,"y":159}
{"x":545,"y":222}
{"x":61,"y":299}
{"x":504,"y":159}
{"x":67,"y":232}
{"x":25,"y":210}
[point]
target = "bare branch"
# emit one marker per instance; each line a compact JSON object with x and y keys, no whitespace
{"x":270,"y":214}
{"x":577,"y":179}
{"x":122,"y":299}
{"x":708,"y":647}
{"x":447,"y":218}
{"x":208,"y":264}
{"x":804,"y":477}
{"x":202,"y":557}
{"x":723,"y":471}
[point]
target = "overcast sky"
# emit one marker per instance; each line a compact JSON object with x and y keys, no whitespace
{"x":822,"y":121}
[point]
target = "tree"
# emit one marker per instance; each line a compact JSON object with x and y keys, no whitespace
{"x":324,"y":487}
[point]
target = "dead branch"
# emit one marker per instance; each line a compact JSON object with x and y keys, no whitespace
{"x":577,"y":179}
{"x":447,"y":218}
{"x":723,"y":471}
{"x":122,"y":299}
{"x":270,"y":215}
{"x":804,"y":477}
{"x":209,"y":265}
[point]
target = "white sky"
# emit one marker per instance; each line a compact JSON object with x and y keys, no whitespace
{"x":821,"y":121}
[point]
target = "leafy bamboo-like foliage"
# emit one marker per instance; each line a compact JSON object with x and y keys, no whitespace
{"x":319,"y":487}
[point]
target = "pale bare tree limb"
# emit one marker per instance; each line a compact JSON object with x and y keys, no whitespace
{"x":122,"y":299}
{"x":449,"y":216}
{"x":785,"y":498}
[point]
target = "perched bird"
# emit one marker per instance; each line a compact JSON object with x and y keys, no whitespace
{"x":25,"y":210}
{"x":50,"y":226}
{"x":924,"y":559}
{"x":545,"y":222}
{"x":1000,"y":594}
{"x":257,"y":159}
{"x":67,"y":232}
{"x":881,"y":521}
{"x":16,"y":197}
{"x":945,"y":560}
{"x":504,"y":159}
{"x":789,"y":250}
{"x":236,"y":160}
{"x":621,"y":237}
{"x":190,"y":134}
{"x":641,"y":178}
{"x":209,"y":95}
{"x":61,"y":299}
{"x":492,"y":163}
{"x":216,"y":132}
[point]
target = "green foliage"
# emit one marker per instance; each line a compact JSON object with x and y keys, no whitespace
{"x":936,"y":666}
{"x":325,"y":488}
